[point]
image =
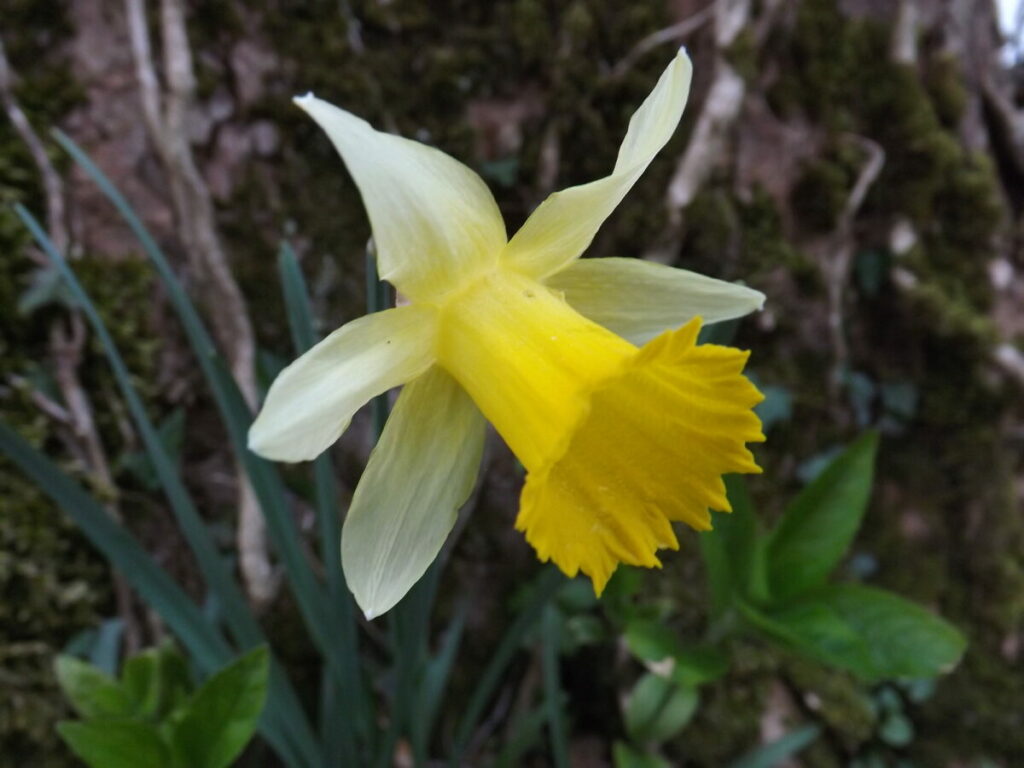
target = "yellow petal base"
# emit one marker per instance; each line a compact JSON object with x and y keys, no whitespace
{"x":652,"y":449}
{"x":618,"y":442}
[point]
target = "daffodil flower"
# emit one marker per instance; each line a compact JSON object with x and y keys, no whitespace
{"x":618,"y":440}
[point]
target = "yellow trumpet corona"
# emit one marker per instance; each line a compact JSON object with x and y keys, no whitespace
{"x":588,"y":369}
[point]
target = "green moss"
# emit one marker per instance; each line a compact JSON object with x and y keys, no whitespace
{"x":820,"y":194}
{"x":743,"y":55}
{"x":946,"y":89}
{"x":837,"y":699}
{"x":764,"y":243}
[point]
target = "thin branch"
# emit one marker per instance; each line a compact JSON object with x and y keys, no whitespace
{"x":166,"y":115}
{"x":52,"y":186}
{"x":838,"y":254}
{"x":674,"y":33}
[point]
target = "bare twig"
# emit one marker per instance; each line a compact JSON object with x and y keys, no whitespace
{"x":905,"y":34}
{"x":67,"y":343}
{"x":676,"y":32}
{"x":720,"y":111}
{"x":708,"y":145}
{"x":52,"y":187}
{"x":66,"y":347}
{"x":837,"y":255}
{"x":165,"y":113}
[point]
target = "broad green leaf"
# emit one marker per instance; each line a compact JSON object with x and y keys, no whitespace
{"x":773,"y":754}
{"x":658,"y":708}
{"x":819,"y":525}
{"x":896,"y":731}
{"x":156,"y":680}
{"x":91,"y":692}
{"x":221,"y":718}
{"x":115,"y":743}
{"x":870,"y":632}
{"x":903,"y":639}
{"x":700,"y":664}
{"x":733,"y":552}
{"x":651,"y":640}
{"x":816,"y":630}
{"x":625,"y":756}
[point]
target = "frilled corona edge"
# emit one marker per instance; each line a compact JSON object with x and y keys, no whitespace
{"x":650,"y":450}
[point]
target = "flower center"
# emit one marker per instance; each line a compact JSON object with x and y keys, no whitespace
{"x":527,"y":359}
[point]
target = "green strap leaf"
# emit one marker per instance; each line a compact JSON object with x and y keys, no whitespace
{"x":339,"y":726}
{"x":819,"y":525}
{"x":547,"y":585}
{"x":221,"y":718}
{"x":243,"y":625}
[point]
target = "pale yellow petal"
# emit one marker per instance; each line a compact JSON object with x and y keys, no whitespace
{"x":435,"y":222}
{"x":639,"y":299}
{"x":407,"y":500}
{"x":564,"y":224}
{"x":312,"y":401}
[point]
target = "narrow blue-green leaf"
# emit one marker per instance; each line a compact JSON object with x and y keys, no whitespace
{"x":116,"y":743}
{"x":220,"y":719}
{"x":526,"y":733}
{"x":319,"y":614}
{"x":107,"y":648}
{"x":435,"y":679}
{"x":156,"y":588}
{"x":778,"y":751}
{"x":344,"y":704}
{"x":819,"y":525}
{"x":545,"y":588}
{"x":553,"y":687}
{"x":243,"y":626}
{"x":121,"y":549}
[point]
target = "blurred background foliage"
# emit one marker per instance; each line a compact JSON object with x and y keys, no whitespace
{"x":858,"y":161}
